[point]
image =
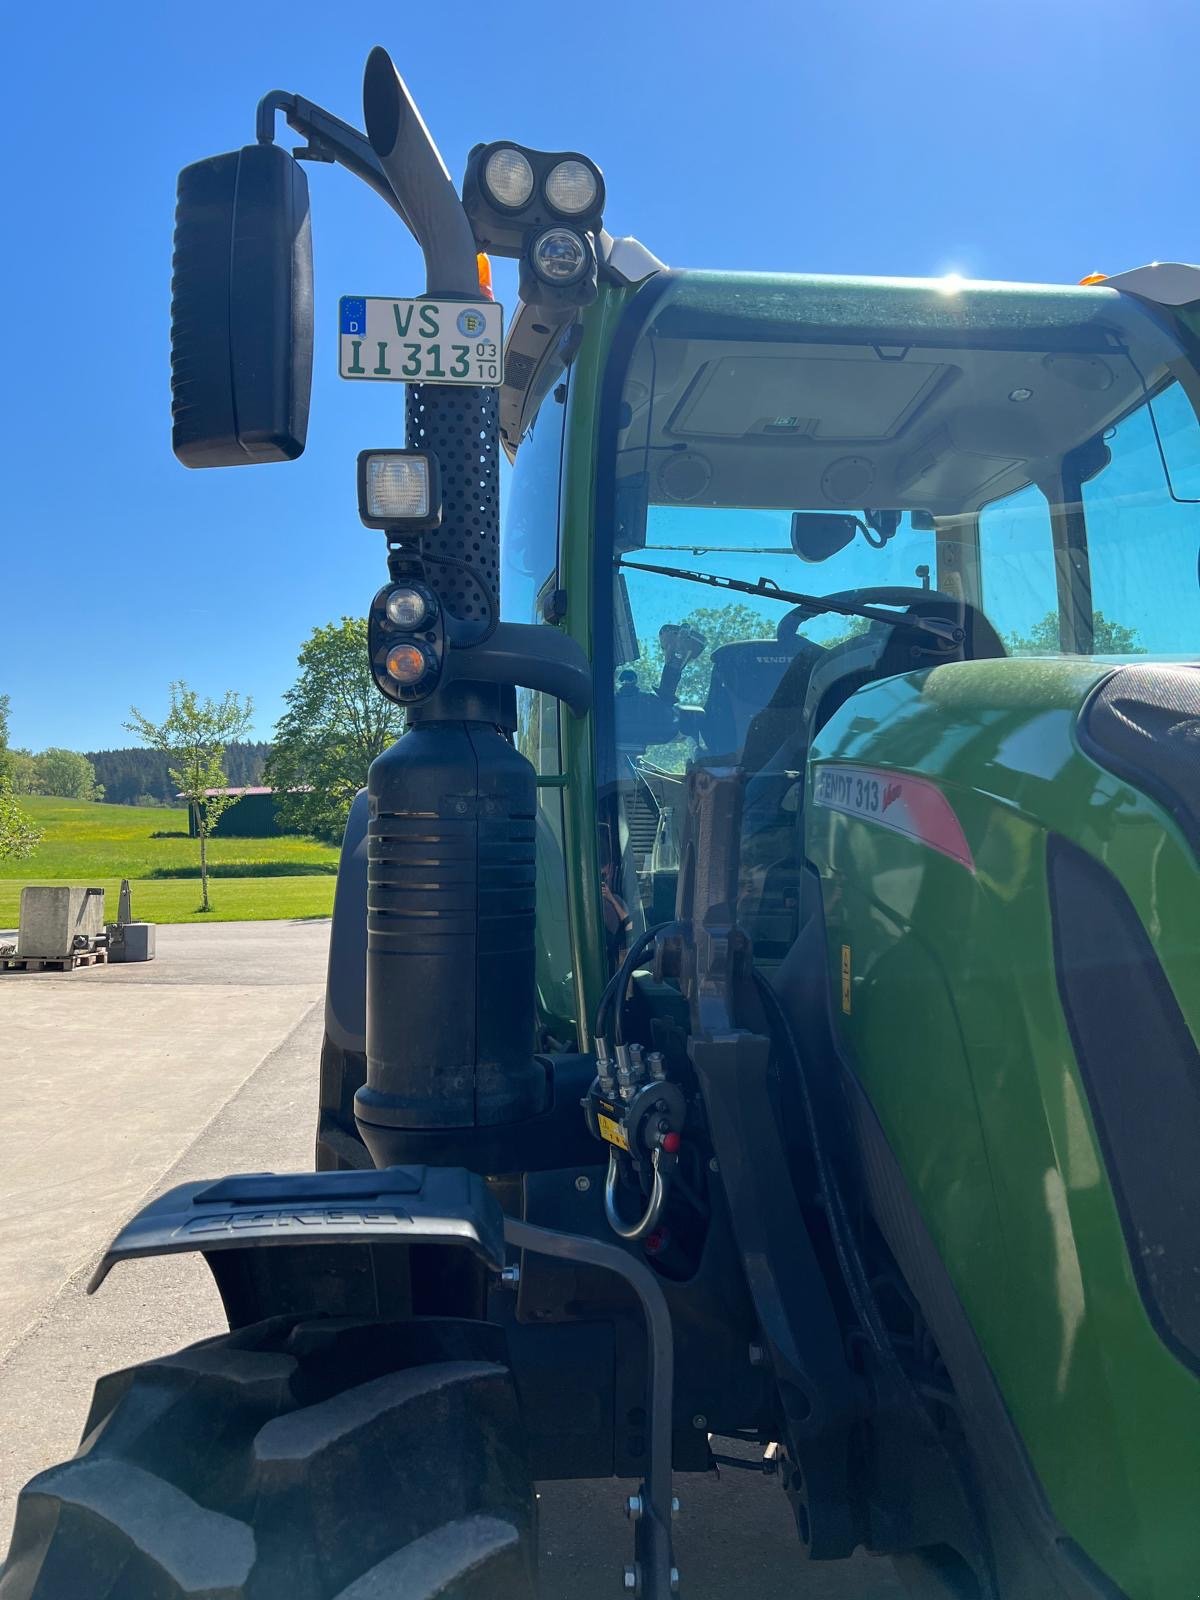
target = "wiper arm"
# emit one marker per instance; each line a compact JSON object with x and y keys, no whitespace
{"x":949,"y":633}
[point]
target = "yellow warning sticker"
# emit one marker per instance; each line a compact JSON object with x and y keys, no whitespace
{"x":846,"y":979}
{"x":613,"y":1132}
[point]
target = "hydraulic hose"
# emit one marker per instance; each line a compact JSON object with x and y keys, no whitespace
{"x":619,"y":983}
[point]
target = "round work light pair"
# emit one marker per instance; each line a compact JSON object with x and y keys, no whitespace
{"x":571,"y":187}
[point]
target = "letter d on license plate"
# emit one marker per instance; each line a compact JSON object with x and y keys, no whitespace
{"x":421,"y":341}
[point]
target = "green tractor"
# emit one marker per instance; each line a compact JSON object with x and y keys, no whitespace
{"x":842,"y":1095}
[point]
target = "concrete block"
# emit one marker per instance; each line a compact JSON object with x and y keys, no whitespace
{"x":131,"y":941}
{"x":54,"y":915}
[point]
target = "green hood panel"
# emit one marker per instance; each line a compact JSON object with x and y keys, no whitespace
{"x":952,"y":1018}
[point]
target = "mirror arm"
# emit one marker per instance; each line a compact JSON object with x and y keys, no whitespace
{"x":330,"y":139}
{"x":531,"y":655}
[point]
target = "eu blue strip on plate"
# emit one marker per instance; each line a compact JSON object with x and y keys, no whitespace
{"x":354,"y":315}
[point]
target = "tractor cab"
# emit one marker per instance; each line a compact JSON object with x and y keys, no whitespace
{"x":1019,"y":462}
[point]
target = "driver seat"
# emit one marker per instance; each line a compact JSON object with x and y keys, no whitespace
{"x":745,"y":678}
{"x":781,"y":715}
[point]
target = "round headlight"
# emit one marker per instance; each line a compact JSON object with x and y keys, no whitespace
{"x":406,"y":663}
{"x":571,"y":188}
{"x":406,"y":608}
{"x":508,"y":178}
{"x":559,"y":256}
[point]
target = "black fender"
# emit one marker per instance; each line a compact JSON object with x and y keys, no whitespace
{"x":308,"y":1242}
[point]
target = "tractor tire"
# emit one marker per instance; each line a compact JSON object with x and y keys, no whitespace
{"x":312,"y":1459}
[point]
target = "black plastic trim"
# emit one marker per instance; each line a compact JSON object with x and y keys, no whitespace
{"x":1166,"y":772}
{"x":400,"y":1205}
{"x":1140,"y":1067}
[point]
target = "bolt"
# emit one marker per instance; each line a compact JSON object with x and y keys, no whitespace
{"x":633,"y":1507}
{"x":510,"y":1277}
{"x":583,"y":1183}
{"x":633,"y":1579}
{"x":700,"y":1422}
{"x":713,"y":1165}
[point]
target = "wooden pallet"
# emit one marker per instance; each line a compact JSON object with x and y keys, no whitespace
{"x":79,"y":958}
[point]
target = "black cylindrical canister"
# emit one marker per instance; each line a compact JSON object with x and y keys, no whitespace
{"x":450,"y":933}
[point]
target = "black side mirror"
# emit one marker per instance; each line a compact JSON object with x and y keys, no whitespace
{"x":241,"y":310}
{"x":817,"y":535}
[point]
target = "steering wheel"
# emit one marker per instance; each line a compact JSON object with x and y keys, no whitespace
{"x":791,"y":621}
{"x":886,"y":594}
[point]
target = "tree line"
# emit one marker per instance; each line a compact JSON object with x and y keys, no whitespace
{"x":126,"y":777}
{"x":137,"y":776}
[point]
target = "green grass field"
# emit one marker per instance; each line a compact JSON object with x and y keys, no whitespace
{"x":97,"y":845}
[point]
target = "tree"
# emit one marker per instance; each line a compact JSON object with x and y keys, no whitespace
{"x":335,"y":724}
{"x":194,"y":737}
{"x":1108,"y":638}
{"x":22,"y":772}
{"x":18,"y":836}
{"x":65,"y":773}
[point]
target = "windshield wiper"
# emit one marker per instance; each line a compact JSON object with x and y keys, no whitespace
{"x":949,"y":633}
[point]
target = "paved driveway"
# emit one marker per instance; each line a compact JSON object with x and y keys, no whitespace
{"x":119,"y":1082}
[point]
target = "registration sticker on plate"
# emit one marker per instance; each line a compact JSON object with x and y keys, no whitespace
{"x":421,"y":341}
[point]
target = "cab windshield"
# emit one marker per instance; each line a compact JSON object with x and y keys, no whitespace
{"x":1025,"y":462}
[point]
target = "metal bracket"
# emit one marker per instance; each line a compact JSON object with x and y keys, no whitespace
{"x":329,"y":139}
{"x":655,"y":1574}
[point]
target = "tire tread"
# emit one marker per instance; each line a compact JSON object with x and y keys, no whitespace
{"x":262,"y":1464}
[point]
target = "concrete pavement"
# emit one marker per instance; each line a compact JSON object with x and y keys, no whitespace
{"x":119,"y":1083}
{"x":109,"y":1072}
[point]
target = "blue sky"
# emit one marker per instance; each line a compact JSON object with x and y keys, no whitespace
{"x":1004,"y":138}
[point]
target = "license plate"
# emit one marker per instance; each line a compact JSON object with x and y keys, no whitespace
{"x":421,"y":341}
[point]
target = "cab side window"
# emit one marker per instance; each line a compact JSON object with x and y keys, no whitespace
{"x":529,"y":536}
{"x":529,"y":572}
